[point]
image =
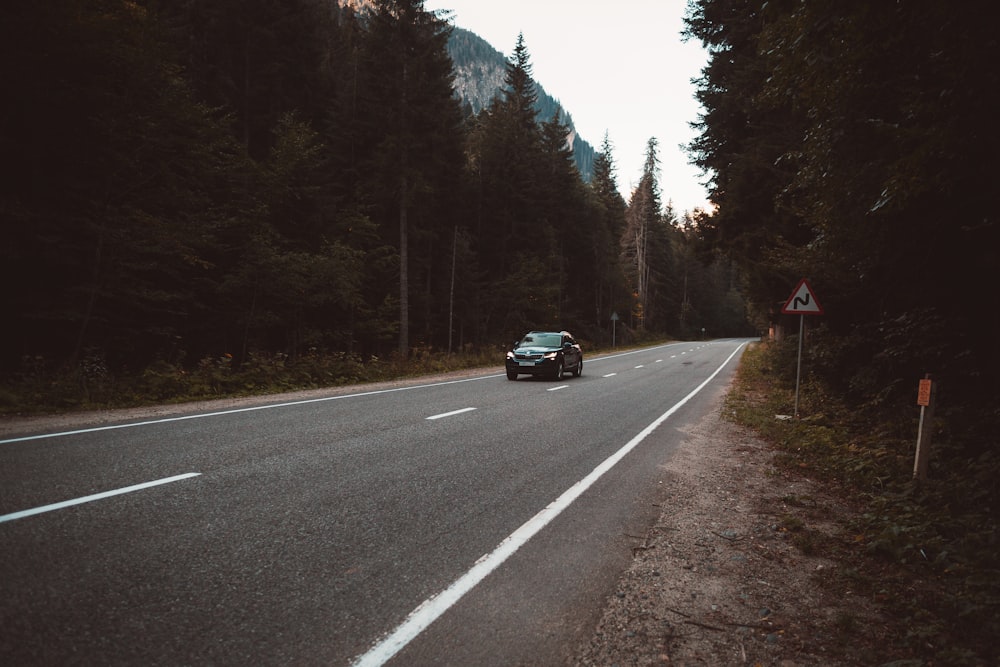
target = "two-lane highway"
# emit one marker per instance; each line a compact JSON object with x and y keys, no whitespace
{"x":475,"y":521}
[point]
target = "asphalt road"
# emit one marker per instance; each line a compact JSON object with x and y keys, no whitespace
{"x":471,"y":522}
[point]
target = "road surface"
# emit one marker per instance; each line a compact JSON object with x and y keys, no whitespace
{"x":474,"y":521}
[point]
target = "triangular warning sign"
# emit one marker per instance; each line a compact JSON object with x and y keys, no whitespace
{"x":802,"y":301}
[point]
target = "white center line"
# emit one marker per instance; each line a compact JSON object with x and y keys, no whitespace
{"x":450,"y":414}
{"x":639,"y":366}
{"x":96,"y":496}
{"x":609,"y":375}
{"x":562,"y":386}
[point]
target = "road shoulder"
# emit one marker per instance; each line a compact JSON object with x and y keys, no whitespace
{"x":723,"y":578}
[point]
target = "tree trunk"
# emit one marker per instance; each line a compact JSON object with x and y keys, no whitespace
{"x":404,"y":281}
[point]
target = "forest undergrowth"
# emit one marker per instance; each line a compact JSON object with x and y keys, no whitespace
{"x":926,"y":551}
{"x":91,"y":385}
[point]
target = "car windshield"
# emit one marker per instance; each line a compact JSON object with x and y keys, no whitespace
{"x":542,"y":340}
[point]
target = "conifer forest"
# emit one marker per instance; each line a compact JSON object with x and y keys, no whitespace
{"x":222,"y":178}
{"x":245,"y":179}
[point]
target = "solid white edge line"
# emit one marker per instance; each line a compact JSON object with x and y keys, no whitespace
{"x":435,"y":606}
{"x":96,"y":496}
{"x":450,"y":414}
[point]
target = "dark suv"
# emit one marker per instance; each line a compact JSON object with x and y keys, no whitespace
{"x":549,"y":353}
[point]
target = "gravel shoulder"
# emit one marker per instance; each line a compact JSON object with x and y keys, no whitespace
{"x":722,"y":577}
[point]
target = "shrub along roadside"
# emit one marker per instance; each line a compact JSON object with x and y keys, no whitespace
{"x":91,"y":386}
{"x":927,"y":553}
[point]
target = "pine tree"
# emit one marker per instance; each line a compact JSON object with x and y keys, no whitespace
{"x":610,"y":292}
{"x":415,"y":138}
{"x":515,"y":242}
{"x":122,"y":178}
{"x":642,"y":219}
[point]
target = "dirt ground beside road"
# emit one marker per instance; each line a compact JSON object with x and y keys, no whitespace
{"x":721,"y":578}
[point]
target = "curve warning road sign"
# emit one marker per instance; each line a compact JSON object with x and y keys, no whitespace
{"x":803,"y":301}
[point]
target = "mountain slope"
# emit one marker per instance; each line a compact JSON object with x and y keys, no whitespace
{"x":479,"y":77}
{"x":479,"y":74}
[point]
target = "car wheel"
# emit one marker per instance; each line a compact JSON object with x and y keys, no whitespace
{"x":511,"y":375}
{"x":559,"y":369}
{"x":579,"y":369}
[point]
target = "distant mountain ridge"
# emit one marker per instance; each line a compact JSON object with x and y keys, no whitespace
{"x":479,"y":77}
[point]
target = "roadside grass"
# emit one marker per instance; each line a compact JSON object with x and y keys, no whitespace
{"x":925,"y":553}
{"x":91,"y":386}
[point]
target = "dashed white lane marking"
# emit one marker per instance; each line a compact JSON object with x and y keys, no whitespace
{"x":96,"y":496}
{"x":451,"y":414}
{"x":562,"y":386}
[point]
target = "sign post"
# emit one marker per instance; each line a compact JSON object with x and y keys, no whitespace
{"x":802,"y":302}
{"x":925,"y":399}
{"x":614,"y":324}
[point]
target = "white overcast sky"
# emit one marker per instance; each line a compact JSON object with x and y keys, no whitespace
{"x":617,"y":67}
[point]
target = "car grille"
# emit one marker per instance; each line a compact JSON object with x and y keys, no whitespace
{"x":527,"y":357}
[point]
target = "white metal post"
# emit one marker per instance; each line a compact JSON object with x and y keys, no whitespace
{"x":798,"y":365}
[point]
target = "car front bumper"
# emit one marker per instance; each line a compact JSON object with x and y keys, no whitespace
{"x":532,"y":367}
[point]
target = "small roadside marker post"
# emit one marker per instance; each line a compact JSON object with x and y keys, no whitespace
{"x":925,"y":399}
{"x":614,"y":325}
{"x":802,"y":302}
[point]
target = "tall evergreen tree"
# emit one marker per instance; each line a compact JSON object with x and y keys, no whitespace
{"x":562,"y":208}
{"x":259,"y":59}
{"x":417,"y":119}
{"x":741,"y":145}
{"x":610,"y":292}
{"x":848,"y":143}
{"x":122,"y":178}
{"x":642,"y":220}
{"x":514,"y":240}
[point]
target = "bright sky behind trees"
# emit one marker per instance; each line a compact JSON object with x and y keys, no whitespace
{"x":620,"y":68}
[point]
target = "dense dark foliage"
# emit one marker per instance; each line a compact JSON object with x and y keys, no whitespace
{"x":924,"y":554}
{"x":205,"y":180}
{"x":851,"y":143}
